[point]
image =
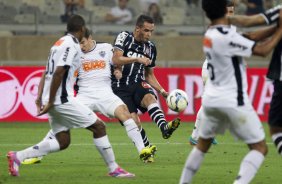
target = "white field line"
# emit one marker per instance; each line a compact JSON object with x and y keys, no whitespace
{"x":129,"y":144}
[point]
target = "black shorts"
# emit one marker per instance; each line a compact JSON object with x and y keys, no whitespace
{"x":133,"y":94}
{"x":275,"y":111}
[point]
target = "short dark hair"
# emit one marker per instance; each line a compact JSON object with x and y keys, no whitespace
{"x":144,"y":18}
{"x":214,"y":8}
{"x":75,"y":23}
{"x":87,"y":33}
{"x":229,"y":3}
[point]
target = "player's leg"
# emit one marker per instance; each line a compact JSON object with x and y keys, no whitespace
{"x":194,"y":160}
{"x":193,"y":139}
{"x":197,"y":154}
{"x":122,"y":113}
{"x":146,"y":100}
{"x":104,"y":147}
{"x":275,"y":116}
{"x":49,"y":135}
{"x":252,"y":133}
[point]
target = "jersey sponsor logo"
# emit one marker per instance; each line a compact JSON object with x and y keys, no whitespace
{"x":66,"y":54}
{"x":232,"y":44}
{"x":134,"y":54}
{"x":145,"y":85}
{"x":102,"y":53}
{"x":93,"y":65}
{"x":207,"y":42}
{"x":59,"y":42}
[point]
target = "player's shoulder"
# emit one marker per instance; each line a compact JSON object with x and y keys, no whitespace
{"x":66,"y":40}
{"x":151,"y":43}
{"x":104,"y":46}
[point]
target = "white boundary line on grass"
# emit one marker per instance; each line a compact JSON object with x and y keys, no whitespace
{"x":127,"y":144}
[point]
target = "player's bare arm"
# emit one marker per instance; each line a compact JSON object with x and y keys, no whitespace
{"x":56,"y":82}
{"x":268,"y":17}
{"x":38,"y":101}
{"x":267,"y":46}
{"x":261,"y":34}
{"x":119,"y":59}
{"x":152,"y":80}
{"x":246,"y":21}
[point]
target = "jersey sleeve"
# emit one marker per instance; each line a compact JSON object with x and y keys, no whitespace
{"x":272,"y":15}
{"x":236,"y":45}
{"x":68,"y":52}
{"x":121,"y":40}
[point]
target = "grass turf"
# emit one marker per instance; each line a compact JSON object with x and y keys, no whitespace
{"x":81,"y":163}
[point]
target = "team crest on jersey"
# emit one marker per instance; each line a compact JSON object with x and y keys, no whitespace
{"x":102,"y":53}
{"x":145,"y":85}
{"x":147,"y":51}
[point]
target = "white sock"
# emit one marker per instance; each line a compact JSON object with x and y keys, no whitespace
{"x":105,"y":149}
{"x":249,"y":167}
{"x":41,"y":149}
{"x":195,"y":132}
{"x":49,"y":135}
{"x":192,"y":165}
{"x":134,"y":134}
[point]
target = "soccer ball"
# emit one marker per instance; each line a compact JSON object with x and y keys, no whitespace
{"x":177,"y":100}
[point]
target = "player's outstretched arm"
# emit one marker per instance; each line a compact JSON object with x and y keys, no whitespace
{"x":270,"y":16}
{"x":247,"y":21}
{"x":152,"y":80}
{"x":261,"y":34}
{"x":264,"y":48}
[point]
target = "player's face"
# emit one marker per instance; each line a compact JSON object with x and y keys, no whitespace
{"x":86,"y":44}
{"x":144,"y":33}
{"x":230,"y":11}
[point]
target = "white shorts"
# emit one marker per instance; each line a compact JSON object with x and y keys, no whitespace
{"x":104,"y":102}
{"x":242,"y":121}
{"x":72,"y":114}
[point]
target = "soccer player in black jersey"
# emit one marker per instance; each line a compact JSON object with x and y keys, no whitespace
{"x":274,"y":73}
{"x":136,"y":55}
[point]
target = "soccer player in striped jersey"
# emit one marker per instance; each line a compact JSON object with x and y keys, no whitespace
{"x":136,"y":55}
{"x":64,"y":111}
{"x":225,"y":102}
{"x":93,"y":88}
{"x":274,"y":71}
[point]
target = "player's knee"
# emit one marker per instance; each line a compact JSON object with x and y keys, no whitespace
{"x":260,"y":146}
{"x":98,"y":129}
{"x":148,"y":99}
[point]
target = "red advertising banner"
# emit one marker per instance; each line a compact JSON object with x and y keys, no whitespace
{"x":18,"y":87}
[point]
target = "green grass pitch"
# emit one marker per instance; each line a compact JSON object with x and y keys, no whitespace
{"x":81,"y":163}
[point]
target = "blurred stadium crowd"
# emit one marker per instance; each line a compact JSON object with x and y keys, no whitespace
{"x":18,"y":16}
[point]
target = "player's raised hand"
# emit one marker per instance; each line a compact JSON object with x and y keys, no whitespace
{"x":118,"y":74}
{"x":45,"y":109}
{"x":164,"y":93}
{"x":145,"y":61}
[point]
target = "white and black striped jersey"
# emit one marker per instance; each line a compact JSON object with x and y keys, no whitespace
{"x":134,"y":72}
{"x":65,"y":52}
{"x":227,"y":84}
{"x":275,"y":67}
